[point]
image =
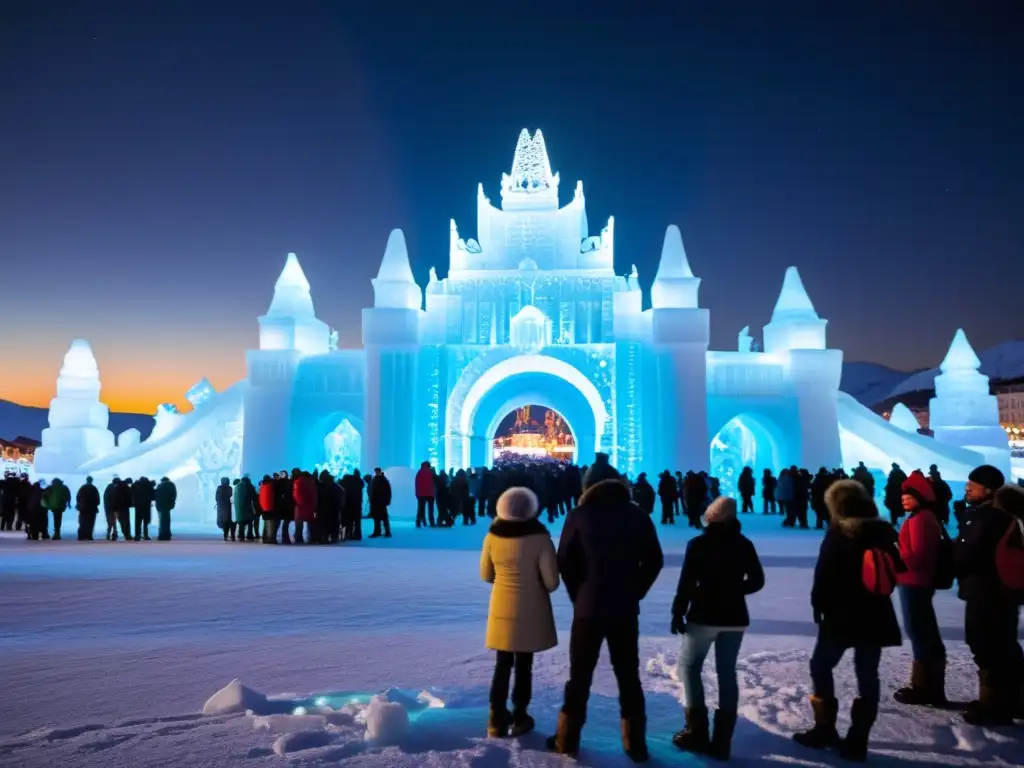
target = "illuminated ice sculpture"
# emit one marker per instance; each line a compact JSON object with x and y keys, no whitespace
{"x":531,"y":311}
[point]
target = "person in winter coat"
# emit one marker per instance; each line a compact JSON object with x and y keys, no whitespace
{"x":87,"y":502}
{"x":165,"y":496}
{"x":284,"y":508}
{"x":768,"y":483}
{"x":991,"y":611}
{"x":268,"y":504}
{"x":943,"y":494}
{"x":352,"y":517}
{"x":304,"y":493}
{"x":667,"y":493}
{"x":784,"y":495}
{"x":36,"y":523}
{"x":600,"y":470}
{"x":462,"y":501}
{"x":380,"y":500}
{"x":244,"y":502}
{"x":518,"y":558}
{"x":893,"y":500}
{"x":819,"y":486}
{"x":746,"y":485}
{"x":142,"y":500}
{"x":223,"y":499}
{"x":849,"y":615}
{"x":110,"y":500}
{"x":1010,"y":499}
{"x":609,"y":557}
{"x":720,"y":569}
{"x":643,"y":493}
{"x":57,"y":500}
{"x":424,"y":487}
{"x":125,"y":498}
{"x":919,"y":541}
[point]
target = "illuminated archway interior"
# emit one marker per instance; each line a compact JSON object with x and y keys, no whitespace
{"x":533,"y":432}
{"x":743,"y":441}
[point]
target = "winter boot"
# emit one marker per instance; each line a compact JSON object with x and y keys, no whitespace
{"x":918,"y":691}
{"x":937,"y":683}
{"x":993,"y":706}
{"x":634,"y":738}
{"x":862,"y":717}
{"x":566,"y":740}
{"x":522,"y":724}
{"x":497,"y":724}
{"x":823,"y":735}
{"x":721,"y":740}
{"x":694,"y":737}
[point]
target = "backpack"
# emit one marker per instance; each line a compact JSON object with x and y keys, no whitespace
{"x":944,"y":567}
{"x":1010,"y":557}
{"x":878,"y":572}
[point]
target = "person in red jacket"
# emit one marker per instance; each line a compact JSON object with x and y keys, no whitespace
{"x":920,"y":539}
{"x":267,"y":498}
{"x":304,"y":494}
{"x":425,"y":495}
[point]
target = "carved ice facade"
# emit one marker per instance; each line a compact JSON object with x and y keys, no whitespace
{"x":531,"y":311}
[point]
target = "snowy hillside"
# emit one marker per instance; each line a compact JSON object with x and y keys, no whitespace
{"x":867,"y":383}
{"x":28,"y":421}
{"x":1000,"y":363}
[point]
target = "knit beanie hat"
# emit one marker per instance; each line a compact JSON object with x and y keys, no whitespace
{"x":918,"y":486}
{"x":987,"y":476}
{"x":721,"y":510}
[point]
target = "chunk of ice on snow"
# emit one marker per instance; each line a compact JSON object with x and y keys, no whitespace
{"x":289,"y":723}
{"x":300,"y":740}
{"x":428,"y":698}
{"x":386,"y":721}
{"x":235,"y":698}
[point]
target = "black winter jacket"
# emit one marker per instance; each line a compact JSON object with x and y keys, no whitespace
{"x":88,"y":499}
{"x":974,"y":554}
{"x":608,"y":554}
{"x":848,"y":613}
{"x":720,"y":569}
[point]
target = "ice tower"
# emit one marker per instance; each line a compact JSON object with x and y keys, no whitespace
{"x":963,"y":412}
{"x":391,"y":335}
{"x":796,"y":334}
{"x":680,"y":337}
{"x":78,"y":420}
{"x":289,"y":331}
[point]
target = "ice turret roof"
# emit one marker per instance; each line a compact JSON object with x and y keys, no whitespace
{"x":79,"y":361}
{"x":793,"y":302}
{"x":673,"y":256}
{"x":961,"y":355}
{"x":395,"y":267}
{"x":291,"y":291}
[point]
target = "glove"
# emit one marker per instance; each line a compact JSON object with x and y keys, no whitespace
{"x":678,"y":625}
{"x":818,"y":616}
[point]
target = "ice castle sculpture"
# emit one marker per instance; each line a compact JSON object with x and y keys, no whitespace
{"x":531,"y":311}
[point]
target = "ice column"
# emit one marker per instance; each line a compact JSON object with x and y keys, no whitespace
{"x":391,"y":333}
{"x":680,"y":329}
{"x":797,"y":334}
{"x":78,"y":420}
{"x":963,"y":412}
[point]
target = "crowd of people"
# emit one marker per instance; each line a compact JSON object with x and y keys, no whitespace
{"x":608,"y":557}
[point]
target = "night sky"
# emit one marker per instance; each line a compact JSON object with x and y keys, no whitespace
{"x":158,"y":160}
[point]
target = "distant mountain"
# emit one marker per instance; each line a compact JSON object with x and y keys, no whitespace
{"x":30,"y":421}
{"x":868,"y":383}
{"x":1003,"y":362}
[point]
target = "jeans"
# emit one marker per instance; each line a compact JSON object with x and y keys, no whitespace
{"x":424,"y":511}
{"x":523,"y":690}
{"x":585,"y":643}
{"x":769,"y":506}
{"x":828,"y":653}
{"x":696,"y":643}
{"x":748,"y":504}
{"x":920,"y":623}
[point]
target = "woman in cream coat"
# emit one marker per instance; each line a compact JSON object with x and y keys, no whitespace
{"x":518,"y":558}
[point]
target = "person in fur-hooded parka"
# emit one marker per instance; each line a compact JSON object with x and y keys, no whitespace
{"x":518,"y":559}
{"x":848,"y":615}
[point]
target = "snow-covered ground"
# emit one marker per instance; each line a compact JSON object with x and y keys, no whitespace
{"x":111,"y":649}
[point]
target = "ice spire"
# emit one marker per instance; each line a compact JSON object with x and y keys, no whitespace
{"x":793,"y":302}
{"x":394,"y":287}
{"x":961,"y":355}
{"x":395,"y":267}
{"x":675,"y":286}
{"x":903,"y":418}
{"x":531,"y":169}
{"x":291,"y":291}
{"x":80,"y":363}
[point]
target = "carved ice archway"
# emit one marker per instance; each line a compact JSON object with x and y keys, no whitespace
{"x":478,"y":381}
